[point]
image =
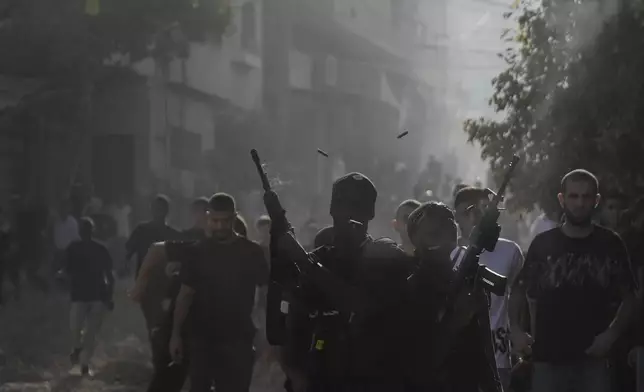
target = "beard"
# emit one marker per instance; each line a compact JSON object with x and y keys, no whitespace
{"x":222,"y":235}
{"x":579,"y":221}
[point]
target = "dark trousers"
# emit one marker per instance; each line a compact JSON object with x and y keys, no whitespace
{"x":591,"y":375}
{"x":359,"y":385}
{"x":3,"y":266}
{"x":226,"y":365}
{"x":166,"y":378}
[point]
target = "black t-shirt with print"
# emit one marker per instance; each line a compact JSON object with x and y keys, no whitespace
{"x":575,"y":284}
{"x":224,"y":276}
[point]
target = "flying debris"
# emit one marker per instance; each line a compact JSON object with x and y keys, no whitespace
{"x":323,"y":153}
{"x":402,"y":135}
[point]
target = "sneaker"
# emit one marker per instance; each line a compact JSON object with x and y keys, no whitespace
{"x":75,"y":356}
{"x":86,"y":371}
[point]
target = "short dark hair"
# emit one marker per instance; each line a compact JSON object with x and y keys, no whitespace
{"x":162,"y":200}
{"x":432,"y":210}
{"x":263,"y":220}
{"x":410,"y":203}
{"x":580,"y":175}
{"x":240,"y":227}
{"x":470,"y":195}
{"x":86,"y":226}
{"x":222,"y":202}
{"x":200,"y":203}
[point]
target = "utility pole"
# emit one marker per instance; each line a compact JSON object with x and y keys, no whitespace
{"x":276,"y":44}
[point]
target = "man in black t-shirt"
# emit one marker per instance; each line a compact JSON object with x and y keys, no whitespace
{"x":89,"y":266}
{"x":572,"y":278}
{"x":143,"y":236}
{"x":218,"y":287}
{"x":169,"y":376}
{"x":147,"y":233}
{"x":225,"y":268}
{"x":433,"y":234}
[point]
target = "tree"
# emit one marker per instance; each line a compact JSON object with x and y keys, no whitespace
{"x":71,"y":45}
{"x":570,"y":97}
{"x":69,"y":35}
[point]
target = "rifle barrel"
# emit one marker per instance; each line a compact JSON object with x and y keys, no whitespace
{"x":498,"y":198}
{"x":262,"y":174}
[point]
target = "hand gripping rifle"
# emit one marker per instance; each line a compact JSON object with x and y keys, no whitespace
{"x":470,"y":276}
{"x":283,"y":274}
{"x":485,"y":235}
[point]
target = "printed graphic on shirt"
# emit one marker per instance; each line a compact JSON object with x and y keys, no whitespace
{"x":576,"y":270}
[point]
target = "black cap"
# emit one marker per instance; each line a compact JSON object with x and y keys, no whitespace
{"x":355,"y":195}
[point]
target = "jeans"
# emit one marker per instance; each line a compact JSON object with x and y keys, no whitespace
{"x":228,"y":365}
{"x":589,"y":375}
{"x":86,"y":319}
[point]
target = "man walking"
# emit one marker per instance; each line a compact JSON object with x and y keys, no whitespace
{"x":89,"y":267}
{"x":572,"y":279}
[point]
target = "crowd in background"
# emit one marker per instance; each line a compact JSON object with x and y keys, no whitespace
{"x":43,"y":246}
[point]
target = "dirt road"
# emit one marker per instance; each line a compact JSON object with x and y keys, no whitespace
{"x":35,"y":344}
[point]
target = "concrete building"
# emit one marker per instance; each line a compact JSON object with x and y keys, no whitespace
{"x":331,"y":74}
{"x":166,"y":126}
{"x":352,"y":89}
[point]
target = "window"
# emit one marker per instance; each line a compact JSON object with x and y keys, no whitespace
{"x":249,"y":27}
{"x":185,"y":149}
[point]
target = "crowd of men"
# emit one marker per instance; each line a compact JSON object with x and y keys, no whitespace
{"x":347,"y":312}
{"x":364,"y":314}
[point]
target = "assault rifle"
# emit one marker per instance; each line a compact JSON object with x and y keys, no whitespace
{"x":470,"y":276}
{"x":470,"y":273}
{"x":283,"y":273}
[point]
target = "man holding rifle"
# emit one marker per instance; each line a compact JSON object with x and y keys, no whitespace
{"x":348,"y":307}
{"x":343,"y":328}
{"x":467,"y":364}
{"x":506,"y":259}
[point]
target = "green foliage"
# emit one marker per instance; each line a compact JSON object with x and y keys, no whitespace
{"x":72,"y":39}
{"x":570,"y":97}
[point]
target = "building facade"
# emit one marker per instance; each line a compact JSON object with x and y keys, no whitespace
{"x":167,"y":127}
{"x":288,"y":77}
{"x":352,"y":89}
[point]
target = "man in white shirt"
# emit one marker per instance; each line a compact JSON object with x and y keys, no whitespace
{"x":120,"y":212}
{"x":65,"y":232}
{"x":507,"y":260}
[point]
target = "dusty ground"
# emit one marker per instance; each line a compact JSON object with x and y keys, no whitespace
{"x":34,"y":339}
